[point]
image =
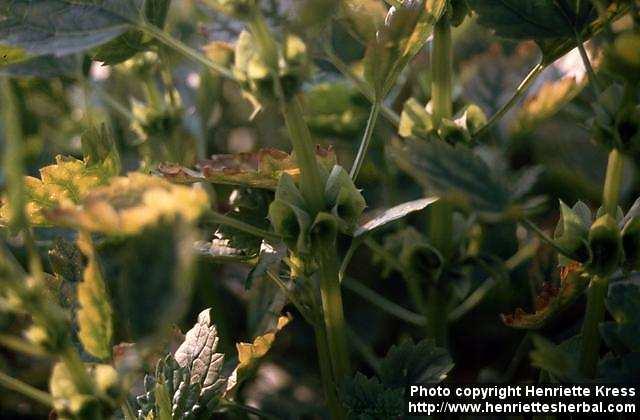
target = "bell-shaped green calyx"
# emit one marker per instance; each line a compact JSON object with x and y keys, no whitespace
{"x":606,"y":246}
{"x":422,"y":261}
{"x":288,"y":215}
{"x":343,"y":198}
{"x":324,"y":230}
{"x":631,"y":244}
{"x":573,"y":230}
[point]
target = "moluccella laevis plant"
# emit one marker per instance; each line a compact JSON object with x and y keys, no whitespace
{"x":359,"y":145}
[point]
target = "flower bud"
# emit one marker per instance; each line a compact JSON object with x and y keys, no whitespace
{"x":605,"y":245}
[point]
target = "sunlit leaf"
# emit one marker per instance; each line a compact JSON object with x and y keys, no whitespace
{"x":62,"y":185}
{"x":69,"y":402}
{"x":129,"y":204}
{"x":249,"y":354}
{"x":258,"y":170}
{"x":547,"y":101}
{"x":94,"y":312}
{"x":394,"y":213}
{"x":551,"y":300}
{"x":188,"y":383}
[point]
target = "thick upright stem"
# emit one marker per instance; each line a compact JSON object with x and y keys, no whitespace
{"x":441,"y":213}
{"x":332,"y":310}
{"x":442,"y":69}
{"x":594,"y":315}
{"x":328,"y":383}
{"x":599,"y":286}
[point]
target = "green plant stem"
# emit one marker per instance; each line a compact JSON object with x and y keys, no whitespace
{"x":520,"y":91}
{"x":441,"y":213}
{"x":23,"y":388}
{"x":442,"y":70}
{"x":590,"y":352}
{"x":329,"y":385}
{"x":613,"y":182}
{"x":364,"y":349}
{"x":383,"y":303}
{"x":240,"y":225}
{"x":366,"y":139}
{"x":436,"y":313}
{"x":598,"y":287}
{"x":157,"y":33}
{"x":333,"y":313}
{"x":19,"y":345}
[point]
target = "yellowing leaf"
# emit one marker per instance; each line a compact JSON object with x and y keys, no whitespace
{"x":551,"y":300}
{"x":551,"y":97}
{"x":129,"y":204}
{"x":261,"y":169}
{"x":94,"y":315}
{"x":63,"y":184}
{"x":250,"y":353}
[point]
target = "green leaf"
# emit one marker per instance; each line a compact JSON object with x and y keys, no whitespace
{"x":60,"y":27}
{"x":269,"y":256}
{"x":410,"y":363}
{"x":66,"y":260}
{"x":99,"y":148}
{"x":363,"y":17}
{"x":148,"y":276}
{"x":384,"y":217}
{"x":132,"y":42}
{"x":366,"y":398}
{"x":623,"y":369}
{"x":249,"y":206}
{"x":537,"y":19}
{"x":622,"y":303}
{"x":94,"y":312}
{"x":120,"y":49}
{"x":46,"y":66}
{"x":342,"y":196}
{"x":551,"y":301}
{"x":454,"y":173}
{"x":554,"y":359}
{"x":335,"y":109}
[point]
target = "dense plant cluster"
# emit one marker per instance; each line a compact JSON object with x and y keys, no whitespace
{"x":335,"y":198}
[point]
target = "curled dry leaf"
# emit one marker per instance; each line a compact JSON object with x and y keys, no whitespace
{"x":551,"y":300}
{"x":260,"y":169}
{"x":129,"y":204}
{"x":250,"y":353}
